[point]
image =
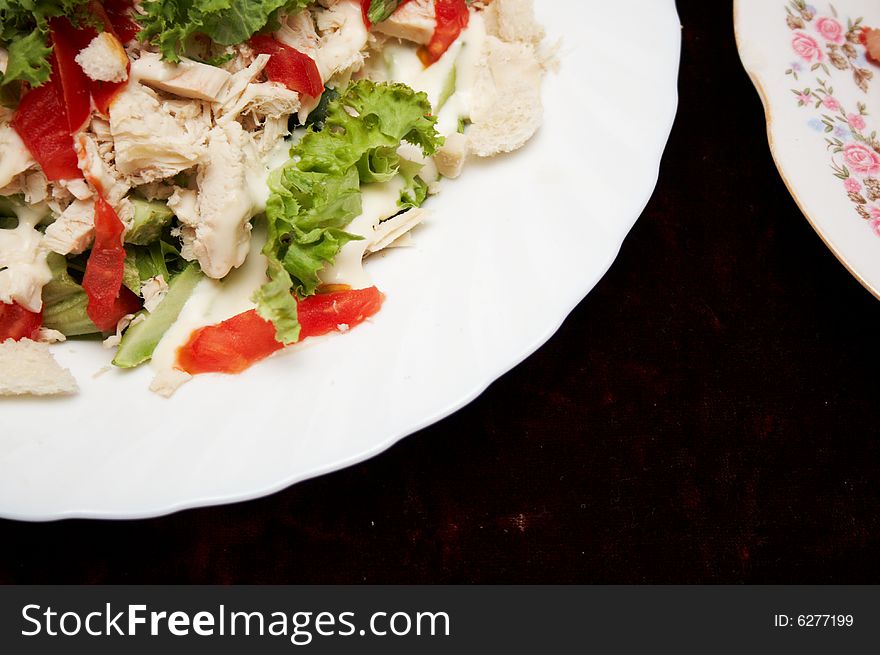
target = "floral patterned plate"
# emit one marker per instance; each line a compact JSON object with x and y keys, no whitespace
{"x":822,"y":100}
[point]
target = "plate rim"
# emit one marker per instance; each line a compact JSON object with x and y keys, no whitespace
{"x":768,"y":119}
{"x":207,"y":500}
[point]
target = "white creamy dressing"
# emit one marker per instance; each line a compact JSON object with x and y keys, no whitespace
{"x":378,"y":202}
{"x":213,"y":301}
{"x":461,"y":59}
{"x":23,"y":268}
{"x":14,"y":155}
{"x":257,"y":174}
{"x":459,"y":103}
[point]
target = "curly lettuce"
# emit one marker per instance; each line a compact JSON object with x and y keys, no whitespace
{"x":24,"y":32}
{"x":316,"y":194}
{"x":168,"y":24}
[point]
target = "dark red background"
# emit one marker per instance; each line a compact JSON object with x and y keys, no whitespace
{"x":708,"y":414}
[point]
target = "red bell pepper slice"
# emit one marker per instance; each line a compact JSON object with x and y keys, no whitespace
{"x":16,"y":322}
{"x":74,"y":84}
{"x":870,"y":38}
{"x":77,"y":86}
{"x":288,"y":66}
{"x":41,"y":122}
{"x":452,"y":18}
{"x":49,"y":114}
{"x":120,"y":25}
{"x":234,"y":344}
{"x":108,"y":299}
{"x":365,"y":7}
{"x":121,"y":20}
{"x":103,"y":93}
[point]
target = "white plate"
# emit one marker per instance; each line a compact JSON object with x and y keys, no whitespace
{"x":511,"y":249}
{"x":822,"y":100}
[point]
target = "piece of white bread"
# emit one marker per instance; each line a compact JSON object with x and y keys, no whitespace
{"x":513,"y":20}
{"x":507,"y":109}
{"x":104,"y":59}
{"x":27,"y":367}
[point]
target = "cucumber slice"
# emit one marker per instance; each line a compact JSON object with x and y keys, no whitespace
{"x":150,"y":218}
{"x":448,"y":88}
{"x":139,"y":341}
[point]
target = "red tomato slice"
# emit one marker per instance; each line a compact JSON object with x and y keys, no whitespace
{"x":236,"y":343}
{"x":108,"y":299}
{"x":325,"y":312}
{"x":452,"y":18}
{"x":66,"y":44}
{"x":230,"y":346}
{"x":16,"y":322}
{"x":295,"y":70}
{"x":41,"y":122}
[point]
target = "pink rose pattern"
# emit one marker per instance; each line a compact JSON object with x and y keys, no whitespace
{"x":831,"y":48}
{"x":830,"y":29}
{"x":861,"y":159}
{"x":806,"y":47}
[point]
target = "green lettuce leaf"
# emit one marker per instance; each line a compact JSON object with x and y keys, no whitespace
{"x":318,"y":115}
{"x":378,"y":165}
{"x":29,"y":60}
{"x":24,"y":32}
{"x":145,"y":262}
{"x":275,"y":302}
{"x":415,"y":191}
{"x":385,"y":115}
{"x":306,"y":213}
{"x":131,"y":278}
{"x":168,"y":24}
{"x":65,"y":301}
{"x":316,"y":194}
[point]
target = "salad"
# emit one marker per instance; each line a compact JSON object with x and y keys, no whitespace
{"x":199,"y":181}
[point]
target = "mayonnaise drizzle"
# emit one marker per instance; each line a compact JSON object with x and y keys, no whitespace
{"x":23,"y":268}
{"x":213,"y":301}
{"x":403,"y":65}
{"x":378,"y":202}
{"x":14,"y":155}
